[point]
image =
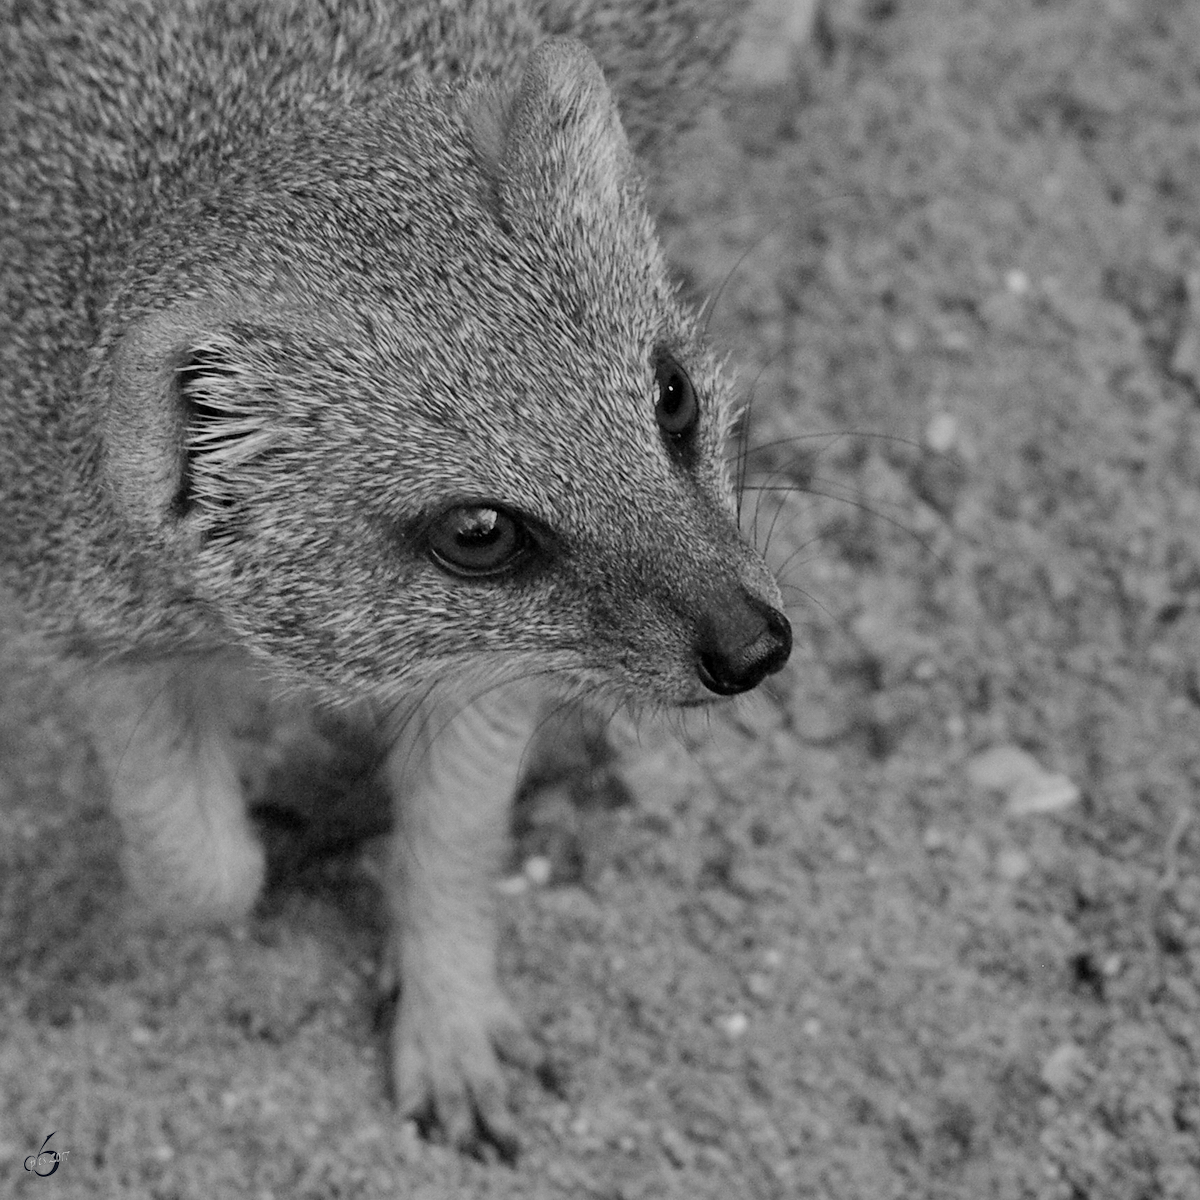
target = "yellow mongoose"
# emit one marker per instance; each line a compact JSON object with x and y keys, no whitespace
{"x":338,"y":350}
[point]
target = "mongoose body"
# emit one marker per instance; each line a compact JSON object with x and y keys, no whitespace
{"x":338,"y":354}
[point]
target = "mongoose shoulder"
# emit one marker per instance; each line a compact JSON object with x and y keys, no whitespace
{"x":338,"y":351}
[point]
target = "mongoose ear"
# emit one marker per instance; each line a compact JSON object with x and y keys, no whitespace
{"x":559,"y":137}
{"x":183,"y":411}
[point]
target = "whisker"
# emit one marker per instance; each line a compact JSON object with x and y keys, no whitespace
{"x":710,"y":304}
{"x":834,"y":436}
{"x":867,"y":507}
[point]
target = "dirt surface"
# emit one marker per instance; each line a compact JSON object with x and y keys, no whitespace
{"x":843,"y":940}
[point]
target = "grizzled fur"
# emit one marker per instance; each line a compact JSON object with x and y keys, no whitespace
{"x":282,"y":284}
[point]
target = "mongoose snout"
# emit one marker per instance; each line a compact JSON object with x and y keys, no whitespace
{"x":740,"y":643}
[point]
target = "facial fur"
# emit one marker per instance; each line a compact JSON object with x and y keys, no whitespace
{"x":305,"y":431}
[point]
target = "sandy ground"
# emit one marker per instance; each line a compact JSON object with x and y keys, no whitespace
{"x":922,"y":919}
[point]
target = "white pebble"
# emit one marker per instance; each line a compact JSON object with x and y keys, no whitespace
{"x":934,"y":839}
{"x":1017,"y":282}
{"x":1050,"y":793}
{"x":1001,"y":768}
{"x":758,"y":985}
{"x":1013,"y":864}
{"x":941,"y":434}
{"x":1065,"y":1066}
{"x":512,"y":885}
{"x":735,"y":1024}
{"x":1019,"y":777}
{"x":538,"y":869}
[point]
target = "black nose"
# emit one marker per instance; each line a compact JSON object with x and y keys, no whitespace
{"x":740,"y":643}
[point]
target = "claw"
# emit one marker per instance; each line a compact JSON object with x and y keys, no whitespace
{"x":495,"y":1129}
{"x":446,"y":1079}
{"x":456,"y":1116}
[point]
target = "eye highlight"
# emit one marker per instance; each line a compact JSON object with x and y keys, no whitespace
{"x":477,"y":541}
{"x":676,"y":410}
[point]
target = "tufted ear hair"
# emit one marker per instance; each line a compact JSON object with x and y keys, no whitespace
{"x":183,"y":408}
{"x":557,"y":138}
{"x":225,"y":423}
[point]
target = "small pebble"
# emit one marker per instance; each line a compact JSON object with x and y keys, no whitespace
{"x":1013,"y":864}
{"x":1001,"y":768}
{"x":906,"y":336}
{"x":758,"y":985}
{"x":934,"y":839}
{"x":735,"y":1024}
{"x":538,"y":869}
{"x":1065,"y":1067}
{"x":410,"y":1141}
{"x":924,"y":669}
{"x":1017,"y":282}
{"x":941,"y":434}
{"x":1020,"y":778}
{"x":1049,"y":793}
{"x":512,"y":885}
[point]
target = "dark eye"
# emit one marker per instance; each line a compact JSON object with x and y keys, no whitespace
{"x":476,"y":540}
{"x":676,"y":410}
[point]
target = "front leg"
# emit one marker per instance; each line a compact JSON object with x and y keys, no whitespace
{"x":453,"y":770}
{"x":162,"y":731}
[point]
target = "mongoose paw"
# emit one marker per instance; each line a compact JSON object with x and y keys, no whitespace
{"x":446,"y":1077}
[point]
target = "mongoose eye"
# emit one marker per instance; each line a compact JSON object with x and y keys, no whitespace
{"x":476,"y":541}
{"x":676,"y":410}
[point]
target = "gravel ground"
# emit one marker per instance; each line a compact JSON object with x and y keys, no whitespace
{"x":920,"y":920}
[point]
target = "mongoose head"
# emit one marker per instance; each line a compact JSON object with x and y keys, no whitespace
{"x":407,"y":393}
